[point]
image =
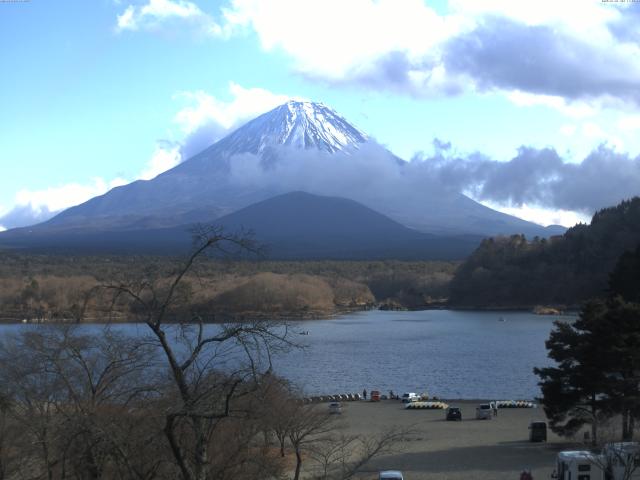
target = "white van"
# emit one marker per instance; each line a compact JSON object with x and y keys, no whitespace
{"x":390,"y":475}
{"x":409,"y":397}
{"x":484,"y":412}
{"x":579,"y":465}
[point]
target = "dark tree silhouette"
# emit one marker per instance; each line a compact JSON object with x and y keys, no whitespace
{"x":597,"y":372}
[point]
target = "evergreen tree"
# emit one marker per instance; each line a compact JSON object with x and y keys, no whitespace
{"x":618,"y":330}
{"x":597,"y":372}
{"x":573,"y":391}
{"x":625,"y":277}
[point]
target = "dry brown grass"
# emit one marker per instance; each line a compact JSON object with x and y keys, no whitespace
{"x":55,"y":287}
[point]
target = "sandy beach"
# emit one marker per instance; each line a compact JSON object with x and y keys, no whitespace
{"x":471,"y":449}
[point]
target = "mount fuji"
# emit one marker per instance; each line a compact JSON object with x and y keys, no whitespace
{"x":297,"y":124}
{"x":298,"y":146}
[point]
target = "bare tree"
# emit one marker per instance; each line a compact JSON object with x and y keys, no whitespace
{"x":185,"y":400}
{"x":341,"y":457}
{"x":315,"y":435}
{"x":209,"y":368}
{"x":71,"y":396}
{"x":309,"y":424}
{"x":619,"y":460}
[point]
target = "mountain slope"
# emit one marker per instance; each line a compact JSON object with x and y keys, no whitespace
{"x":272,"y":155}
{"x":301,"y":225}
{"x":296,"y":225}
{"x":202,"y":183}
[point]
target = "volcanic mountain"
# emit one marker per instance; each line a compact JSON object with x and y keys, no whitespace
{"x":295,"y":225}
{"x":297,"y":146}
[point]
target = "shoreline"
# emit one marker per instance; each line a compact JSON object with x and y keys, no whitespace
{"x":219,"y":318}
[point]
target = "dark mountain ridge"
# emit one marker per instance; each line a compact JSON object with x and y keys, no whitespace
{"x":296,"y":225}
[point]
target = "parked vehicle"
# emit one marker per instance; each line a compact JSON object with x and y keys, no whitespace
{"x":454,"y":413}
{"x":484,"y":412}
{"x":375,"y":396}
{"x":538,"y":432}
{"x":409,"y":397}
{"x":618,"y":461}
{"x":390,"y":475}
{"x":335,"y":407}
{"x":578,"y":465}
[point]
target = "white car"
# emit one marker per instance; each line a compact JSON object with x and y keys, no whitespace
{"x":390,"y":475}
{"x":409,"y":397}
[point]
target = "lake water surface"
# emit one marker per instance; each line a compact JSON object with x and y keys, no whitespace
{"x":452,"y":354}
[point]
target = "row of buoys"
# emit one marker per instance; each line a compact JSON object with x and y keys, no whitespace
{"x":515,"y":404}
{"x":426,"y":406}
{"x":343,"y":397}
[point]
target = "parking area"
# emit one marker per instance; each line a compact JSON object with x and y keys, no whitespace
{"x":493,"y":449}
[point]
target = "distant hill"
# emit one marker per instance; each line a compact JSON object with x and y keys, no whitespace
{"x":301,"y":225}
{"x":295,"y":225}
{"x":563,"y":270}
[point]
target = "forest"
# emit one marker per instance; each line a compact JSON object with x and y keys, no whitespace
{"x":562,"y":271}
{"x":62,"y":287}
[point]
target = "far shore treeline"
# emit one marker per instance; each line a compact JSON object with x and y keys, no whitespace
{"x":503,"y":272}
{"x":561,"y":271}
{"x":59,"y":287}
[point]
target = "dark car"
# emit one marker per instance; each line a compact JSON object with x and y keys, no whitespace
{"x":537,"y":432}
{"x":454,"y":413}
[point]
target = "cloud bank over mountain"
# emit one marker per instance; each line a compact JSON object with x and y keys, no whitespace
{"x":536,"y":177}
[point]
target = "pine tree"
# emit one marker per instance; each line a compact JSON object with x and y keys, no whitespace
{"x":573,"y":391}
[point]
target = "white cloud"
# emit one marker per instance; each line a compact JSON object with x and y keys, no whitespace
{"x":406,"y":46}
{"x":629,"y":123}
{"x":593,"y":131}
{"x":164,"y":157}
{"x":2,"y":229}
{"x":44,"y":203}
{"x":542,"y":216}
{"x":155,"y":13}
{"x":577,"y":16}
{"x":126,"y":21}
{"x":576,"y":109}
{"x":568,"y":130}
{"x":203,"y":110}
{"x":35,"y":206}
{"x":65,"y":196}
{"x":333,"y":38}
{"x":245,"y":104}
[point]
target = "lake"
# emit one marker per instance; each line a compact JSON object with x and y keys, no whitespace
{"x":452,"y":354}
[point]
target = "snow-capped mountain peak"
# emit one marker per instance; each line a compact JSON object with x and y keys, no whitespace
{"x":299,"y":124}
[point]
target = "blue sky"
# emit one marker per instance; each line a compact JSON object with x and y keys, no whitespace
{"x":97,"y":94}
